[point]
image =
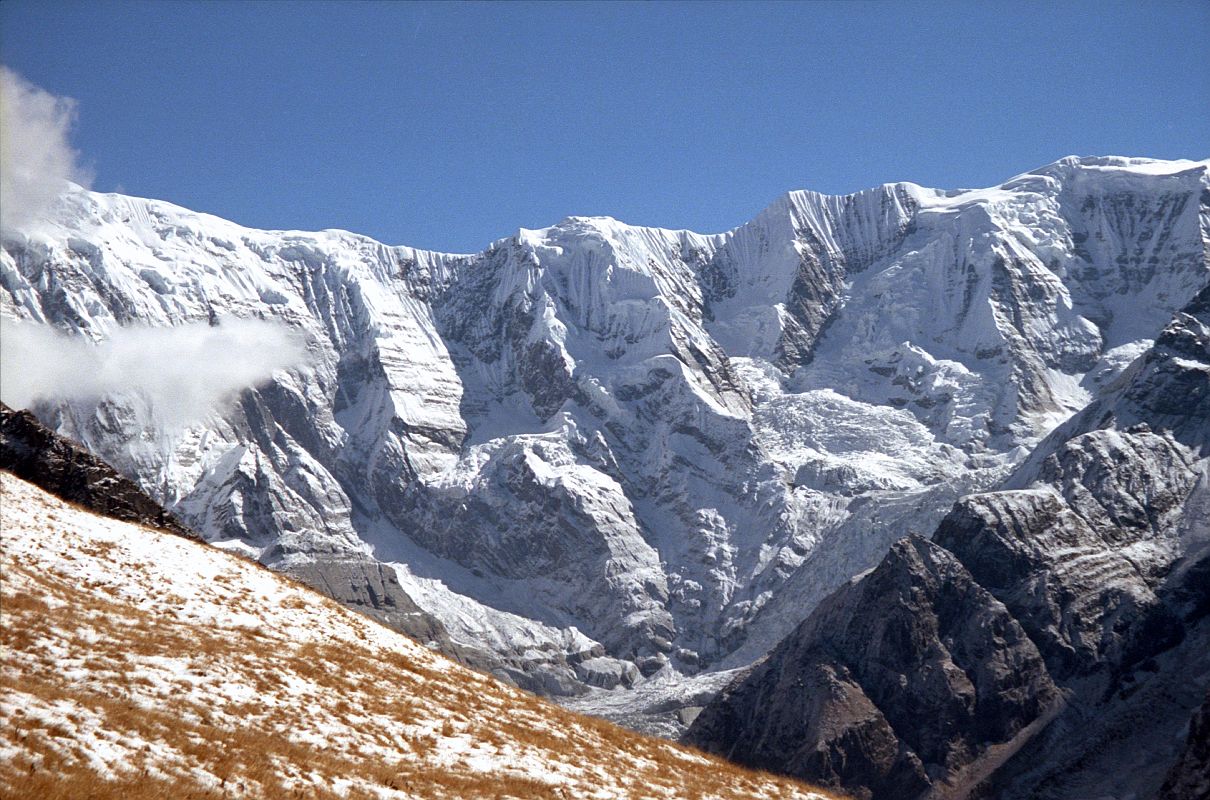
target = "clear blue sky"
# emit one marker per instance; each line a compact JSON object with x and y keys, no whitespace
{"x":446,"y":126}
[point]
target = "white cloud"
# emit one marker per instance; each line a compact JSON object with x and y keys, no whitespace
{"x":181,"y":372}
{"x":36,"y":158}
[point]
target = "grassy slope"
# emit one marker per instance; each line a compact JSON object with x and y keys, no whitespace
{"x":137,"y":664}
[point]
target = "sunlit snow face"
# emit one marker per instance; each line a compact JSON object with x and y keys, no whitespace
{"x":181,"y":372}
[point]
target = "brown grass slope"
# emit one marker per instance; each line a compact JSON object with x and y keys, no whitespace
{"x":140,"y":665}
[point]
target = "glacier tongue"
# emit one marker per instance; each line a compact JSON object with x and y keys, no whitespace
{"x":602,"y":453}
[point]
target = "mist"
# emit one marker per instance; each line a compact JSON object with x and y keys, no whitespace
{"x":183,"y":373}
{"x":36,"y":158}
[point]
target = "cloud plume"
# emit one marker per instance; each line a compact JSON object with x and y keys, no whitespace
{"x":181,"y":372}
{"x":36,"y":158}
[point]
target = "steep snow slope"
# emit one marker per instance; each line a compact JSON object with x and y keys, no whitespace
{"x":599,"y":451}
{"x":137,"y":663}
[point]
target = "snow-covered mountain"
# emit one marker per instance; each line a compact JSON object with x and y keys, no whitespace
{"x":599,"y":455}
{"x":140,"y":664}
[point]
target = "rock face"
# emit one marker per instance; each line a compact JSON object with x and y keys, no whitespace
{"x":1084,"y":578}
{"x":897,"y":679}
{"x":1079,"y":559}
{"x":1190,"y":776}
{"x":31,"y":451}
{"x":373,"y":588}
{"x":605,"y":453}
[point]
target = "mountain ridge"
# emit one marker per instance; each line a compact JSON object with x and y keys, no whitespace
{"x":593,"y":422}
{"x":1135,"y":163}
{"x":65,"y":469}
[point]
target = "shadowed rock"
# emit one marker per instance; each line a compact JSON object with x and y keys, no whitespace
{"x":1190,"y":776}
{"x":901,"y":679}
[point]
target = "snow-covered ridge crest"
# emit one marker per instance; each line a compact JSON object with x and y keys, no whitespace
{"x":606,"y":452}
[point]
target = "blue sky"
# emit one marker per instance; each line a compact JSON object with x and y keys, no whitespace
{"x":449,"y":125}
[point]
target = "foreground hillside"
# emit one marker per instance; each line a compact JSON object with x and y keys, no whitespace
{"x":141,"y":664}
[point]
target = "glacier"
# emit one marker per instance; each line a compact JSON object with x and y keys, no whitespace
{"x":607,"y":461}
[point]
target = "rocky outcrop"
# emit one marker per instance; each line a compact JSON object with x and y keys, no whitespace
{"x":1080,"y":559}
{"x":1085,"y":577}
{"x":33,"y":452}
{"x":372,"y":588}
{"x":901,"y":681}
{"x":1113,"y":587}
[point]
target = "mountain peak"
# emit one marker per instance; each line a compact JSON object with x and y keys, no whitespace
{"x":1149,"y":166}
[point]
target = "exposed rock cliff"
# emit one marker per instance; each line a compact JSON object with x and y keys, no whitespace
{"x":898,"y":681}
{"x":1190,"y":776}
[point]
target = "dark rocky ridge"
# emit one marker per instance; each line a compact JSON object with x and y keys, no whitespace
{"x":1080,"y":563}
{"x":1089,"y":572}
{"x":898,"y":678}
{"x":34,"y":453}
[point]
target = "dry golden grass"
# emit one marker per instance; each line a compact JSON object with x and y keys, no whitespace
{"x":102,"y":696}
